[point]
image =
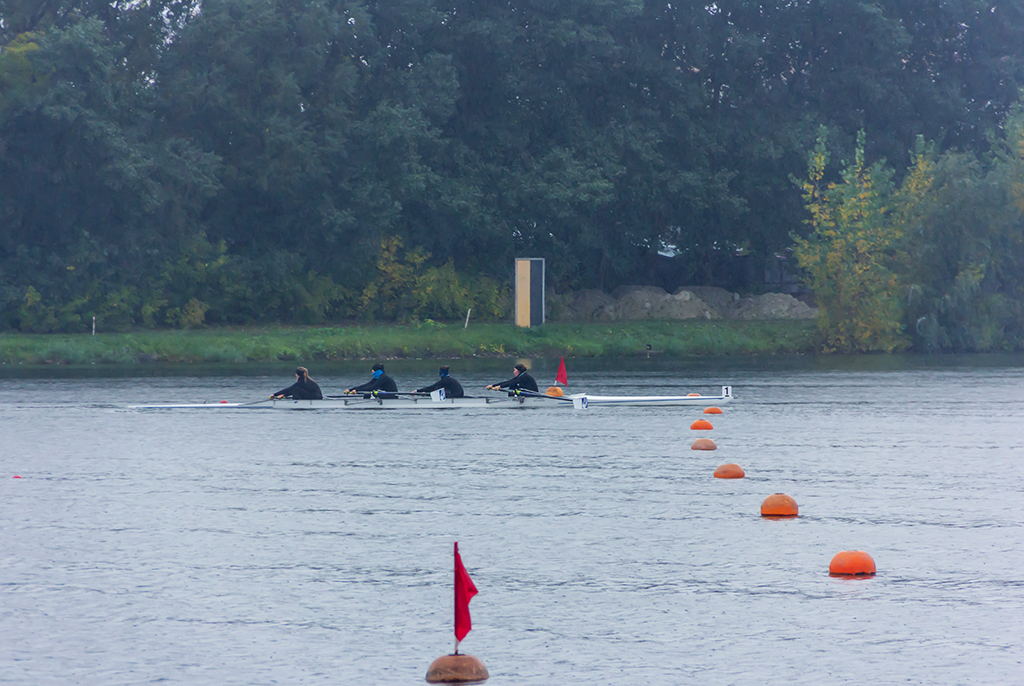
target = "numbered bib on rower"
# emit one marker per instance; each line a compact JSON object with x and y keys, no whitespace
{"x":437,"y":396}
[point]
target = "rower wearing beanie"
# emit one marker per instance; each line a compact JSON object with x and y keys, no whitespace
{"x":381,"y":382}
{"x":521,"y":380}
{"x":452,"y":388}
{"x":304,"y":387}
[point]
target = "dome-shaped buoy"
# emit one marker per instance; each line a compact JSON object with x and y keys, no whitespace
{"x":729,"y":471}
{"x":703,"y":444}
{"x":712,"y":410}
{"x":779,"y":505}
{"x":456,"y":669}
{"x":693,"y":395}
{"x":852,"y":563}
{"x":554,"y":392}
{"x":701,"y":425}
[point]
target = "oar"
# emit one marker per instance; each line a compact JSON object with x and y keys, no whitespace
{"x":579,"y":401}
{"x":353,"y":398}
{"x":534,"y":394}
{"x":255,"y":402}
{"x":359,"y":400}
{"x":373,"y":394}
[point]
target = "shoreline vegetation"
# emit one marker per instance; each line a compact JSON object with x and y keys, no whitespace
{"x":428,"y":339}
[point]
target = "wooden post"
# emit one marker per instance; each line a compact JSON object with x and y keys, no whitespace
{"x":529,"y":291}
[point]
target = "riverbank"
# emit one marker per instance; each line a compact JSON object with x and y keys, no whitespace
{"x":429,"y":340}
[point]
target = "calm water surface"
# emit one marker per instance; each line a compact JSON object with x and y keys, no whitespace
{"x":262,"y":547}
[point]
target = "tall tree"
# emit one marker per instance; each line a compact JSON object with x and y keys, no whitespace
{"x":854,"y":255}
{"x":266,"y":86}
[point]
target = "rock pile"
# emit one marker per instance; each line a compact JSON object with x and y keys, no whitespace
{"x":628,"y":303}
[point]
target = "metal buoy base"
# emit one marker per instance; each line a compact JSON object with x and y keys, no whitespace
{"x":456,"y":669}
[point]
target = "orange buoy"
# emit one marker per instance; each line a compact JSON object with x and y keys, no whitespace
{"x":456,"y":669}
{"x":703,"y":444}
{"x":554,"y":392}
{"x":712,"y":410}
{"x":693,"y":395}
{"x":701,"y":425}
{"x":729,"y":471}
{"x":852,"y":563}
{"x":779,"y":505}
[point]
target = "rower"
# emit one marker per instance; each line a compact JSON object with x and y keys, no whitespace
{"x":520,"y":381}
{"x":452,"y":388}
{"x":304,"y":388}
{"x":383,"y":384}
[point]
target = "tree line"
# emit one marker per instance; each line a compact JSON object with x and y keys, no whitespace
{"x":179,"y":163}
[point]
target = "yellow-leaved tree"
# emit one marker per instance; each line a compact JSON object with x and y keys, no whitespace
{"x":406,"y":287}
{"x":854,"y":256}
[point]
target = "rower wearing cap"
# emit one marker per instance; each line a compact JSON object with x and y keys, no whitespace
{"x":452,"y":388}
{"x":383,"y":384}
{"x":304,"y":387}
{"x":520,"y":381}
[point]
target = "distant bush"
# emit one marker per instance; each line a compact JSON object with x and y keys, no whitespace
{"x":405,"y":288}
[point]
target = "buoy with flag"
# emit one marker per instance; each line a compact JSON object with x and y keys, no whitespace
{"x":560,"y":378}
{"x":459,"y":668}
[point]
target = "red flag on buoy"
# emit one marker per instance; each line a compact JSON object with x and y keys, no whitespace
{"x":562,"y":377}
{"x":464,"y":592}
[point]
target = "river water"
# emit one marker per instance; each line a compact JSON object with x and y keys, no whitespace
{"x":266,"y":547}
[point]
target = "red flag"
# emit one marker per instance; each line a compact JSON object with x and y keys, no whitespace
{"x":464,"y":592}
{"x":562,"y":377}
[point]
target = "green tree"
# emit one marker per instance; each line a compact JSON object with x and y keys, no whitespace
{"x":967,"y":252}
{"x":853,"y":257}
{"x":178,"y":162}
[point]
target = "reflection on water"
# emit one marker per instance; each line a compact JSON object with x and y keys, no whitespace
{"x":247,"y":547}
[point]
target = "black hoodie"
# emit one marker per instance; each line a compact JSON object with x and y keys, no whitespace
{"x":303,"y":389}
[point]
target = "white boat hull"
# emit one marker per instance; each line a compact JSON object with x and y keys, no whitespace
{"x":579,"y":401}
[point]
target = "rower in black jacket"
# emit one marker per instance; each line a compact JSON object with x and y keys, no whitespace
{"x":520,"y":381}
{"x":452,"y":388}
{"x":381,"y":382}
{"x":304,"y":387}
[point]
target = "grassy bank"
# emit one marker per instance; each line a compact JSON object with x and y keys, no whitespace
{"x":270,"y":344}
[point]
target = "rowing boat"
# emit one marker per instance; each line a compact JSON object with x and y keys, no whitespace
{"x":437,"y":401}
